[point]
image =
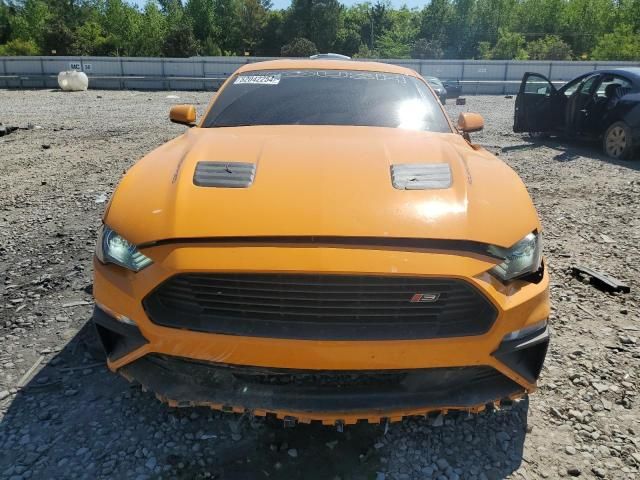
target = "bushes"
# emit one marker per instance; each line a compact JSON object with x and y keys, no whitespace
{"x":19,"y":47}
{"x":299,"y":47}
{"x":550,"y":47}
{"x":622,"y":44}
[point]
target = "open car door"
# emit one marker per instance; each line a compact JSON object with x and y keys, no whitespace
{"x":535,"y":104}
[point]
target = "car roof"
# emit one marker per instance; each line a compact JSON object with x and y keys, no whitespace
{"x":322,"y":64}
{"x":632,"y":74}
{"x":630,"y":71}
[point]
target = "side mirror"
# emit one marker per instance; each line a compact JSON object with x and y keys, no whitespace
{"x":183,"y":114}
{"x":470,"y":122}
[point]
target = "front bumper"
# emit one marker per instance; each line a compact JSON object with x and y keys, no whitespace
{"x":230,"y":372}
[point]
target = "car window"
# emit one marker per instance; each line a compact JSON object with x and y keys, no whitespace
{"x":607,"y":80}
{"x":587,"y":86}
{"x":538,"y":85}
{"x":570,"y":88}
{"x":327,"y":97}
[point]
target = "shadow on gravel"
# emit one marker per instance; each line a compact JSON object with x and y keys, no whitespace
{"x":571,"y":149}
{"x":75,"y":419}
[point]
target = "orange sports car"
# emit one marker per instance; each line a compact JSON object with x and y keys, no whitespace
{"x":324,"y":244}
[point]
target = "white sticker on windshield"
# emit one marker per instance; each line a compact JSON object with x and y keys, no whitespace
{"x":258,"y":79}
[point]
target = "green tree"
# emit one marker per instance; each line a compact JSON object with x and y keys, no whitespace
{"x":435,"y":21}
{"x":587,"y":21}
{"x":273,"y":34}
{"x":551,"y":47}
{"x":19,"y":47}
{"x":316,"y":20}
{"x":424,"y":48}
{"x":5,"y":21}
{"x":227,"y":25}
{"x":58,"y":38}
{"x":536,"y":18}
{"x":121,"y":22}
{"x":253,"y":18}
{"x":348,"y":41}
{"x":180,"y":41}
{"x":622,"y":44}
{"x":398,"y":39}
{"x":491,"y":17}
{"x":380,"y":15}
{"x":149,"y":39}
{"x":501,"y":29}
{"x":90,"y":39}
{"x":510,"y":46}
{"x":299,"y":47}
{"x":630,"y":13}
{"x":31,"y":21}
{"x":461,"y":37}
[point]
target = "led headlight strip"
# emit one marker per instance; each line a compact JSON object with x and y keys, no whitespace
{"x":112,"y":248}
{"x":523,"y":258}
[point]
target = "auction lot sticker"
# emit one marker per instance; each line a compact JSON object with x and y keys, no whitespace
{"x":258,"y":79}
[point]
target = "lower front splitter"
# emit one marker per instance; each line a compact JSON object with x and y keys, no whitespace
{"x":317,"y":394}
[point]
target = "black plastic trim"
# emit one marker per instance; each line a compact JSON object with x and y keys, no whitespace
{"x":525,"y":355}
{"x":395,"y":243}
{"x":191,"y":382}
{"x":118,"y":339}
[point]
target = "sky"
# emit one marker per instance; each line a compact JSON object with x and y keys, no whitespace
{"x":278,"y":4}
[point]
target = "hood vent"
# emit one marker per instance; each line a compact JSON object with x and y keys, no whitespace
{"x":421,"y":176}
{"x":224,"y":174}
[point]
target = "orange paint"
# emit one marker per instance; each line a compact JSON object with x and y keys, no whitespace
{"x":321,"y":181}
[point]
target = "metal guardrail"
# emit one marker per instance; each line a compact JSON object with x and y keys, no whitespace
{"x":207,"y":73}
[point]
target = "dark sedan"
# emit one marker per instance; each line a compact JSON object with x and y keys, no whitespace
{"x":436,"y":84}
{"x":600,"y":105}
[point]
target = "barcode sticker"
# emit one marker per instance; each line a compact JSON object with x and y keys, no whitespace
{"x":258,"y":79}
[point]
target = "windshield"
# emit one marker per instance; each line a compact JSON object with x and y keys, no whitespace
{"x":434,"y":81}
{"x":327,"y":97}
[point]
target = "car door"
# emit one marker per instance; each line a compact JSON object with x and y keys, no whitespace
{"x":610,"y":105}
{"x":582,"y":106}
{"x":535,"y":104}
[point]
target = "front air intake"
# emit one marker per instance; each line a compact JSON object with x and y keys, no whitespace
{"x":321,"y":306}
{"x":224,"y":174}
{"x":421,"y":176}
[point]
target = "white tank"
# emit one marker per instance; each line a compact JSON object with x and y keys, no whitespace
{"x":73,"y":81}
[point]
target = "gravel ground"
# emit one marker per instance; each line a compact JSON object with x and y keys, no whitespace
{"x":74,"y":419}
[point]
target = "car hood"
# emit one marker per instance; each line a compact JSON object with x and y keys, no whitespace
{"x":320,"y":181}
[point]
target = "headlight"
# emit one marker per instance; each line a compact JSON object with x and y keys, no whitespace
{"x":521,"y":259}
{"x":112,"y":248}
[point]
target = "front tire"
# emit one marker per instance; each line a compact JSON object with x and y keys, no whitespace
{"x":617,"y":142}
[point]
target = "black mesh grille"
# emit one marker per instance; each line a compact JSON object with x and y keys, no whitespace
{"x":329,"y":307}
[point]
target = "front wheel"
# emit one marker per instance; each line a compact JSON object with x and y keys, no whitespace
{"x":617,"y":141}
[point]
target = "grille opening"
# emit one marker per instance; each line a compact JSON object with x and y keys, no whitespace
{"x":331,"y":307}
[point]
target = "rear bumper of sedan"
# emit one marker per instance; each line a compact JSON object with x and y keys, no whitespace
{"x":163,"y":327}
